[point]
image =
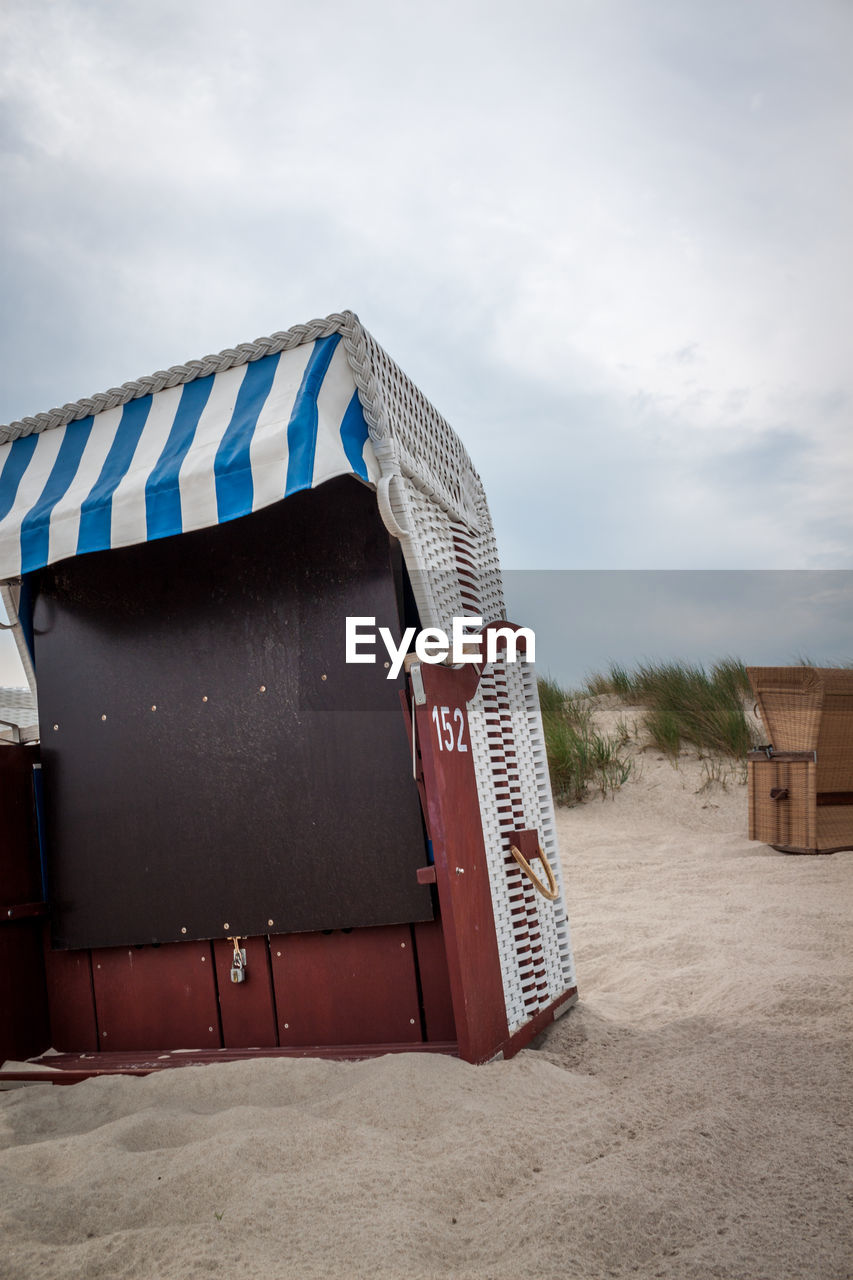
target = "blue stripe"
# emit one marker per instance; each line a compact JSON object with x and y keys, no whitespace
{"x":353,"y":436}
{"x":35,"y":526}
{"x":96,"y":512}
{"x":162,"y":490}
{"x":232,"y":467}
{"x":17,"y":461}
{"x":302,"y":428}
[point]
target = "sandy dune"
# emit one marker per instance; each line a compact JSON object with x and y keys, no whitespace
{"x":688,"y":1119}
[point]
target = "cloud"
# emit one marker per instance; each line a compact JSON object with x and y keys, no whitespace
{"x":610,"y":241}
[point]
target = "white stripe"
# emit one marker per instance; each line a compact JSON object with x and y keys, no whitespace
{"x":65,"y":520}
{"x":268,"y":451}
{"x":332,"y":403}
{"x":29,"y":491}
{"x":129,"y":523}
{"x":197,"y":479}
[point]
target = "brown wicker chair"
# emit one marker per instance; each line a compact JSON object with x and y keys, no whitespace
{"x":801,"y":786}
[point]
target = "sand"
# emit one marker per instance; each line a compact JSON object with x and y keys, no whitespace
{"x":688,"y":1119}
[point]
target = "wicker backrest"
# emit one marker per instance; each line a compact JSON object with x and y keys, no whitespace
{"x":810,"y":709}
{"x":436,"y":505}
{"x":835,"y":739}
{"x":790,"y":700}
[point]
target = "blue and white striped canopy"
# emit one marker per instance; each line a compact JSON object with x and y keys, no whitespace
{"x":184,"y":458}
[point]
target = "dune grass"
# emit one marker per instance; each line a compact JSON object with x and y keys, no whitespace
{"x":579,"y":758}
{"x":687,"y":705}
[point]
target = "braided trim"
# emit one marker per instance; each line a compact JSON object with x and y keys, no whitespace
{"x":340,"y":322}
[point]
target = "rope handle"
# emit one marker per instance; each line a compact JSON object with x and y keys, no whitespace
{"x":549,"y":891}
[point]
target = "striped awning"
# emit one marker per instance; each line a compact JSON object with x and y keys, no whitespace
{"x":187,"y":457}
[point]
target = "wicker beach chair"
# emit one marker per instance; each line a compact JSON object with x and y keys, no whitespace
{"x":284,"y":463}
{"x":801,"y":784}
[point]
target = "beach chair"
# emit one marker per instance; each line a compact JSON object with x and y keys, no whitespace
{"x":801,"y":783}
{"x":247,"y":841}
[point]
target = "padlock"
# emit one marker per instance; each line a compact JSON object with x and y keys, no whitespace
{"x":238,"y":968}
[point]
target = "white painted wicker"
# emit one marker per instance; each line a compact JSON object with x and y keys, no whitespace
{"x":433,"y":500}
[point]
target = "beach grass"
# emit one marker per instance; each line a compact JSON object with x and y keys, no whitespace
{"x":580,"y":759}
{"x":684,"y":705}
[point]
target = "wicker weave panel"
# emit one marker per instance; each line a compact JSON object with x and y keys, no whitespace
{"x":455,"y":572}
{"x":834,"y":827}
{"x":792,"y":819}
{"x":434,"y":502}
{"x":835,"y":742}
{"x":805,"y":709}
{"x":790,"y":701}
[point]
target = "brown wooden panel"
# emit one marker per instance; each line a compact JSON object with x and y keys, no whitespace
{"x":462,"y":876}
{"x":217,"y":764}
{"x":20,"y":875}
{"x":71,"y":1001}
{"x":435,"y":981}
{"x":23,"y":1004}
{"x":789,"y":819}
{"x":156,"y":997}
{"x":338,"y":988}
{"x":247,"y":1008}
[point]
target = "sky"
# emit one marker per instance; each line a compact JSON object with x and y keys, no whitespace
{"x":609,"y":239}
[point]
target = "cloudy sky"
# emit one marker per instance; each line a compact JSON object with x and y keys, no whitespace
{"x":610,"y":240}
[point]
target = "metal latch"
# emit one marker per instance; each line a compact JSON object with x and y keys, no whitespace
{"x":238,"y":962}
{"x":417,"y":684}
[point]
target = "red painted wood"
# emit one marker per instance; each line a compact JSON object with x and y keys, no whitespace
{"x":23,"y":1005}
{"x":73,"y":1068}
{"x":462,"y":878}
{"x":71,"y":1000}
{"x":346,"y":988}
{"x":247,"y":1008}
{"x":148,"y":997}
{"x":426,"y":875}
{"x":435,"y":981}
{"x":25,"y":911}
{"x":20,"y":876}
{"x":23,"y":997}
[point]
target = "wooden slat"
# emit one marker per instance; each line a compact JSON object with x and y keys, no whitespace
{"x":462,"y":877}
{"x":156,"y":996}
{"x":435,"y":981}
{"x":247,"y":1008}
{"x":64,"y":1069}
{"x":71,"y":1000}
{"x":346,"y":987}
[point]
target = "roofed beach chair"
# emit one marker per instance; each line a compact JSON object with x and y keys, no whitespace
{"x":801,"y":784}
{"x":248,"y":838}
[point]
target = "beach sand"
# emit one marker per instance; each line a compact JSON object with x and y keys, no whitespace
{"x":689,"y":1118}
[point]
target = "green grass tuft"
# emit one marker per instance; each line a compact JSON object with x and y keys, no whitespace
{"x":686,"y":705}
{"x":578,"y":756}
